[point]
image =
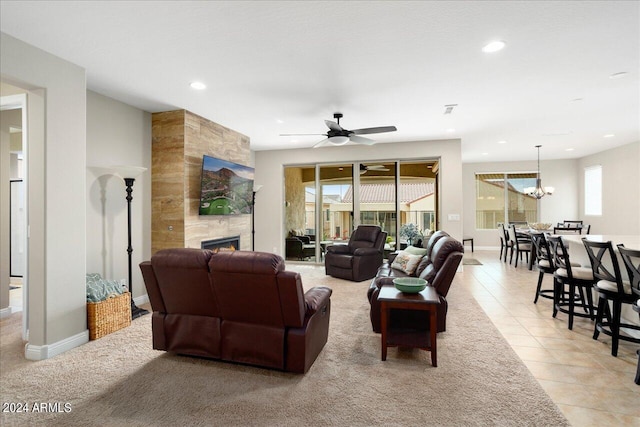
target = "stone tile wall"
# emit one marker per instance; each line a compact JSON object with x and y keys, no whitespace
{"x":179,"y":140}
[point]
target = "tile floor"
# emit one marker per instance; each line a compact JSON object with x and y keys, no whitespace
{"x":591,"y":387}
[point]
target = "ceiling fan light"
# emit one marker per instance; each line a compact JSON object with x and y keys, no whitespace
{"x":339,"y":140}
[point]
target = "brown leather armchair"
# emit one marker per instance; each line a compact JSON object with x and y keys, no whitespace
{"x":438,"y":267}
{"x":235,"y":306}
{"x":360,"y":259}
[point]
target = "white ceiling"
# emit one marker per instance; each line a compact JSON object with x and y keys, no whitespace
{"x":285,"y":67}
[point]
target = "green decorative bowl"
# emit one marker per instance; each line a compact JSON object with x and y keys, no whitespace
{"x":410,"y":285}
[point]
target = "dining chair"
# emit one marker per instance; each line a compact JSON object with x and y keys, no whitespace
{"x":561,"y":229}
{"x":577,"y":278}
{"x":631,"y":259}
{"x":505,"y":243}
{"x":572,"y":223}
{"x":545,"y":264}
{"x":611,"y":288}
{"x":519,"y":244}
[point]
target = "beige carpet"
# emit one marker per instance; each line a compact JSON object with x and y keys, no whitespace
{"x":119,"y":380}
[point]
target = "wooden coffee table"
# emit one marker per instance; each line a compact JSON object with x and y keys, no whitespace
{"x":426,"y":300}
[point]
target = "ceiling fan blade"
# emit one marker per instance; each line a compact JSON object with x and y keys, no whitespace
{"x":302,"y":134}
{"x":380,"y":129}
{"x":333,"y":126}
{"x":321,"y":143}
{"x":361,"y":140}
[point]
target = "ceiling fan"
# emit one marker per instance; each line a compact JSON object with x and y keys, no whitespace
{"x":364,"y":169}
{"x":338,"y":135}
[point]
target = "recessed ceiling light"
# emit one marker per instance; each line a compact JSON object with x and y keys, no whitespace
{"x":451,"y":130}
{"x":198,"y":85}
{"x":494,"y":46}
{"x":279,"y":121}
{"x":485,"y":154}
{"x":609,"y":135}
{"x":618,"y":75}
{"x":569,"y":149}
{"x":502,"y":142}
{"x":577,"y":99}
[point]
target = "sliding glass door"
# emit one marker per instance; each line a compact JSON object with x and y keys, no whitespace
{"x":324,"y":203}
{"x":417,"y":201}
{"x":336,"y":183}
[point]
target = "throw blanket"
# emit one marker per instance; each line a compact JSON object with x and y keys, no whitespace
{"x":99,"y":289}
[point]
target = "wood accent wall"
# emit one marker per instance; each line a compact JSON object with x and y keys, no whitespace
{"x":179,"y":140}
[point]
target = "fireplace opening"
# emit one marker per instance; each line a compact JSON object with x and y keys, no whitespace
{"x":225,"y":243}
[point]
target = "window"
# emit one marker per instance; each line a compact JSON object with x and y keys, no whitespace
{"x":593,"y":190}
{"x":500,"y":198}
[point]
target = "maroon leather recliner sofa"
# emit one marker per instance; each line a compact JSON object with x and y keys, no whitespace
{"x":438,"y":267}
{"x":235,"y":306}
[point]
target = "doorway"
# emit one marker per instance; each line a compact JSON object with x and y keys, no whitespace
{"x":14,"y":206}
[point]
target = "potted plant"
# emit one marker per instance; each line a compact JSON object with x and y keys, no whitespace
{"x":410,"y":231}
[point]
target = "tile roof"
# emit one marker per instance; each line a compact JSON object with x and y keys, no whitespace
{"x":385,"y":193}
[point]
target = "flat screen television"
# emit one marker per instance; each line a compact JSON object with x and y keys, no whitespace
{"x":226,"y":188}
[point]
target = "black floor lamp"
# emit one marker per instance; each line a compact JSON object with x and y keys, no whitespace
{"x":256,"y":188}
{"x":128,"y":174}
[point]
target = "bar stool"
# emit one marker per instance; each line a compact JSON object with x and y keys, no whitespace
{"x":631,"y":260}
{"x":577,"y":278}
{"x":610,"y":287}
{"x":545,"y":264}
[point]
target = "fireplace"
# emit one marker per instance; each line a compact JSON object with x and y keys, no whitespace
{"x":232,"y":243}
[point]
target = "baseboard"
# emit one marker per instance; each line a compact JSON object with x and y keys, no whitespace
{"x":5,"y":312}
{"x":42,"y":352}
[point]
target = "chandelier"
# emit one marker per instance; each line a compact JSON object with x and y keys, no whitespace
{"x":538,"y":191}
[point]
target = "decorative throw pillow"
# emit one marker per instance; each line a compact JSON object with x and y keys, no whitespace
{"x":416,"y":251}
{"x":406,"y":262}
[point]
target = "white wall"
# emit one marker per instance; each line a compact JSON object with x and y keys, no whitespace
{"x":269,"y":169}
{"x":117,"y":134}
{"x":620,"y":190}
{"x":563,"y":204}
{"x":57,"y":196}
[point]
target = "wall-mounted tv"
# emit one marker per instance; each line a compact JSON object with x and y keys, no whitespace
{"x":226,"y":188}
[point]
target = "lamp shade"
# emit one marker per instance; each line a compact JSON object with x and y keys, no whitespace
{"x":126,"y":171}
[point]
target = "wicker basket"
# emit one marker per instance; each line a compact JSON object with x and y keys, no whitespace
{"x":109,"y":315}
